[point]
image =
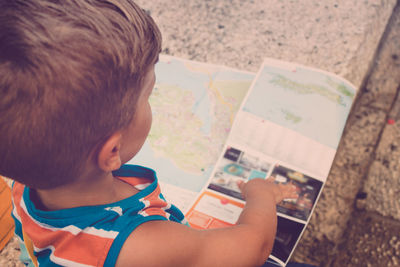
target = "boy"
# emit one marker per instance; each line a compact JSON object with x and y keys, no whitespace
{"x":75,"y":78}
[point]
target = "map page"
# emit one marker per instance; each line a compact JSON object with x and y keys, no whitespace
{"x":194,"y":105}
{"x":313,"y":103}
{"x":286,"y":131}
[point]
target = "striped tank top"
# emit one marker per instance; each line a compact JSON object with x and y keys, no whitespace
{"x":91,"y":235}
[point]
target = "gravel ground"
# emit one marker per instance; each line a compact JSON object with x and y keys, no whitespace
{"x":370,"y":234}
{"x":9,"y":256}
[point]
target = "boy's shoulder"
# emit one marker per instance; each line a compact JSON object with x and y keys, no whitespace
{"x":159,"y":243}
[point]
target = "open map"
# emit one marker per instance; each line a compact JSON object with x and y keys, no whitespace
{"x":214,"y":127}
{"x":193,"y":106}
{"x":287,"y":131}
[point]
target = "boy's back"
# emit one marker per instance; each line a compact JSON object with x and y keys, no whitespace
{"x":75,"y":81}
{"x":91,"y":235}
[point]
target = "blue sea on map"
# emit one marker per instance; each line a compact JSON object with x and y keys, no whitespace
{"x":308,"y":110}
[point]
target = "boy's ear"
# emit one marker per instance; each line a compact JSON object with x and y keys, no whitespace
{"x":109,"y":158}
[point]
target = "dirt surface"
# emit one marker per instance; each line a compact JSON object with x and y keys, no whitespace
{"x":9,"y":256}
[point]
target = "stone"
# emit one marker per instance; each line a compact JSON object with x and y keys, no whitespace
{"x":340,"y":39}
{"x":374,"y":248}
{"x":382,"y":183}
{"x":381,"y":88}
{"x":360,"y":137}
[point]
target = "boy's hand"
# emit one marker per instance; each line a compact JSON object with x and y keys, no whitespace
{"x":259,"y":187}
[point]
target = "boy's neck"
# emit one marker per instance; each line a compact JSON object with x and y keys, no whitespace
{"x":104,"y":189}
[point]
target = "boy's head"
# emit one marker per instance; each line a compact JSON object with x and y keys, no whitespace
{"x":71,"y":73}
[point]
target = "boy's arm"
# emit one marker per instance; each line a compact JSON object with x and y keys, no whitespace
{"x":248,"y":243}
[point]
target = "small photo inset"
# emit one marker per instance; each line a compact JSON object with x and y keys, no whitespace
{"x":307,"y":188}
{"x":232,"y":154}
{"x":286,"y":237}
{"x":236,"y":166}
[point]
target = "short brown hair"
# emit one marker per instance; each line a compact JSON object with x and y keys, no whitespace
{"x":70,"y":75}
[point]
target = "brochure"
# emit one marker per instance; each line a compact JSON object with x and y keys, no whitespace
{"x":213,"y":126}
